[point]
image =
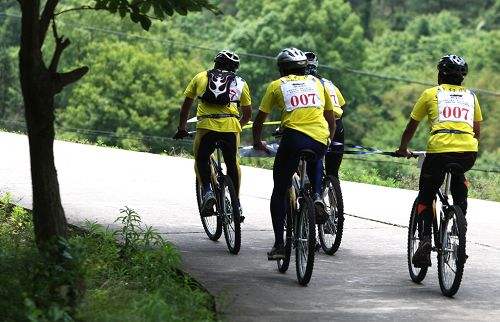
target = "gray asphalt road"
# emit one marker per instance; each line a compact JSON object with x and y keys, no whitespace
{"x":366,"y":280}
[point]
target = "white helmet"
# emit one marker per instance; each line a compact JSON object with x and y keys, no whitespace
{"x":228,"y":59}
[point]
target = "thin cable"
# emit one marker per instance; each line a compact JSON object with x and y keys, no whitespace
{"x":154,"y":138}
{"x":339,"y":68}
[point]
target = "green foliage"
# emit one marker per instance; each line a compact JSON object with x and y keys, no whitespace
{"x":131,"y":92}
{"x":100,"y":279}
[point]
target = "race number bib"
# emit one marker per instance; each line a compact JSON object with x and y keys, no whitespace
{"x":236,"y":89}
{"x":456,"y":106}
{"x":300,"y":94}
{"x":333,"y":93}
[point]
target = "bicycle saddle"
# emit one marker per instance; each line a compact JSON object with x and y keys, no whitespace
{"x":454,"y":168}
{"x":307,"y":155}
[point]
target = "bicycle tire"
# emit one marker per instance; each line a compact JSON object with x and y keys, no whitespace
{"x":305,"y":224}
{"x":230,"y":220}
{"x":283,"y":264}
{"x":417,"y":275}
{"x":213,"y":224}
{"x":460,"y":229}
{"x":336,"y":218}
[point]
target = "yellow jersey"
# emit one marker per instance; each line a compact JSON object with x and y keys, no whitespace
{"x":335,"y":94}
{"x":449,"y":107}
{"x":301,"y":101}
{"x":239,"y":92}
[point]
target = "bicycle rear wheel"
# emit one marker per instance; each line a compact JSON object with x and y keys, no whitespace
{"x":213,"y":224}
{"x":451,"y":258}
{"x":305,"y":236}
{"x":416,"y":274}
{"x":330,"y":233}
{"x":284,"y":263}
{"x":231,"y":216}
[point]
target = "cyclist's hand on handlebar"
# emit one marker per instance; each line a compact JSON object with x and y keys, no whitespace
{"x":180,"y":134}
{"x":403,"y":153}
{"x":261,"y":146}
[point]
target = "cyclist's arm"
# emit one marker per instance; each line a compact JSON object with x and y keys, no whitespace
{"x":257,"y":130}
{"x":408,"y":134}
{"x":184,"y":114}
{"x":477,"y":130}
{"x":247,"y":114}
{"x":330,"y":118}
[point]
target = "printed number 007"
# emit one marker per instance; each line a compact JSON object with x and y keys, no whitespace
{"x":455,"y":111}
{"x":303,"y":99}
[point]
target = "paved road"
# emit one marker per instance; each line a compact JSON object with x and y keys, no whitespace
{"x":366,"y":280}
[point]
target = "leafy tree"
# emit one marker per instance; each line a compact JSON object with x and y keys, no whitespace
{"x":131,"y":91}
{"x":41,"y":81}
{"x":328,"y":27}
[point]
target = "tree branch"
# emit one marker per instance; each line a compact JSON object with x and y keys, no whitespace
{"x":47,"y":15}
{"x":61,"y":44}
{"x":75,"y":9}
{"x":64,"y":79}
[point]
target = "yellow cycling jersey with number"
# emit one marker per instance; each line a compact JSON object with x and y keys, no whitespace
{"x":239,"y":92}
{"x":301,"y":101}
{"x":335,"y":94}
{"x":449,"y":107}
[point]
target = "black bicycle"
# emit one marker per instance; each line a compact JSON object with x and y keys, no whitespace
{"x":300,"y":223}
{"x":330,"y":232}
{"x":226,"y":213}
{"x":449,"y":230}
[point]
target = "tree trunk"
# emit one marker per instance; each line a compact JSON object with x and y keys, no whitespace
{"x":38,"y":94}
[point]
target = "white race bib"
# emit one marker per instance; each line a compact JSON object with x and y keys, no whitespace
{"x":236,"y":89}
{"x":332,"y":90}
{"x":456,"y":106}
{"x":300,"y":94}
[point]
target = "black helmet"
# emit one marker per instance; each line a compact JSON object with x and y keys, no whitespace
{"x":312,"y":63}
{"x":291,"y":59}
{"x":453,"y":65}
{"x":227,"y":60}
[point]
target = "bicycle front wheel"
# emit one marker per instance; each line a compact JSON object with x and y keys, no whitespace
{"x":305,"y":237}
{"x":451,"y":258}
{"x":330,"y":233}
{"x":231,"y":216}
{"x":212,"y":224}
{"x":416,"y":274}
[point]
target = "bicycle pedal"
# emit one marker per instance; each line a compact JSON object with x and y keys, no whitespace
{"x":242,"y":219}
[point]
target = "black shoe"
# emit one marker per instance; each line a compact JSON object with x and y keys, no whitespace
{"x":277,"y":252}
{"x":422,"y":257}
{"x":207,"y":207}
{"x":319,"y":205}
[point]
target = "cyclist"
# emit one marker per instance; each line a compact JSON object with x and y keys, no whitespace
{"x":454,"y":117}
{"x":220,"y":92}
{"x":308,"y":122}
{"x":333,"y":157}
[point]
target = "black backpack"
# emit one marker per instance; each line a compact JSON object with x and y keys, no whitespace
{"x":218,"y":87}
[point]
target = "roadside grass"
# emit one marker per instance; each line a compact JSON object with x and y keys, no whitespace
{"x":135,"y":279}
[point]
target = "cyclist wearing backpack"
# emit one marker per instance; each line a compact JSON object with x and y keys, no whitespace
{"x":333,"y":157}
{"x":308,"y":122}
{"x":454,"y":116}
{"x":220,"y":92}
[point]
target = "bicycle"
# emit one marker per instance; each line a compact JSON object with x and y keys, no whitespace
{"x":330,"y":232}
{"x":225,"y":215}
{"x":448,"y":234}
{"x":300,"y":223}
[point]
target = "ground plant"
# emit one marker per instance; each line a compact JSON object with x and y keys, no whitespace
{"x":134,"y":279}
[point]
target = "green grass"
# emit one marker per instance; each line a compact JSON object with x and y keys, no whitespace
{"x":137,"y":279}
